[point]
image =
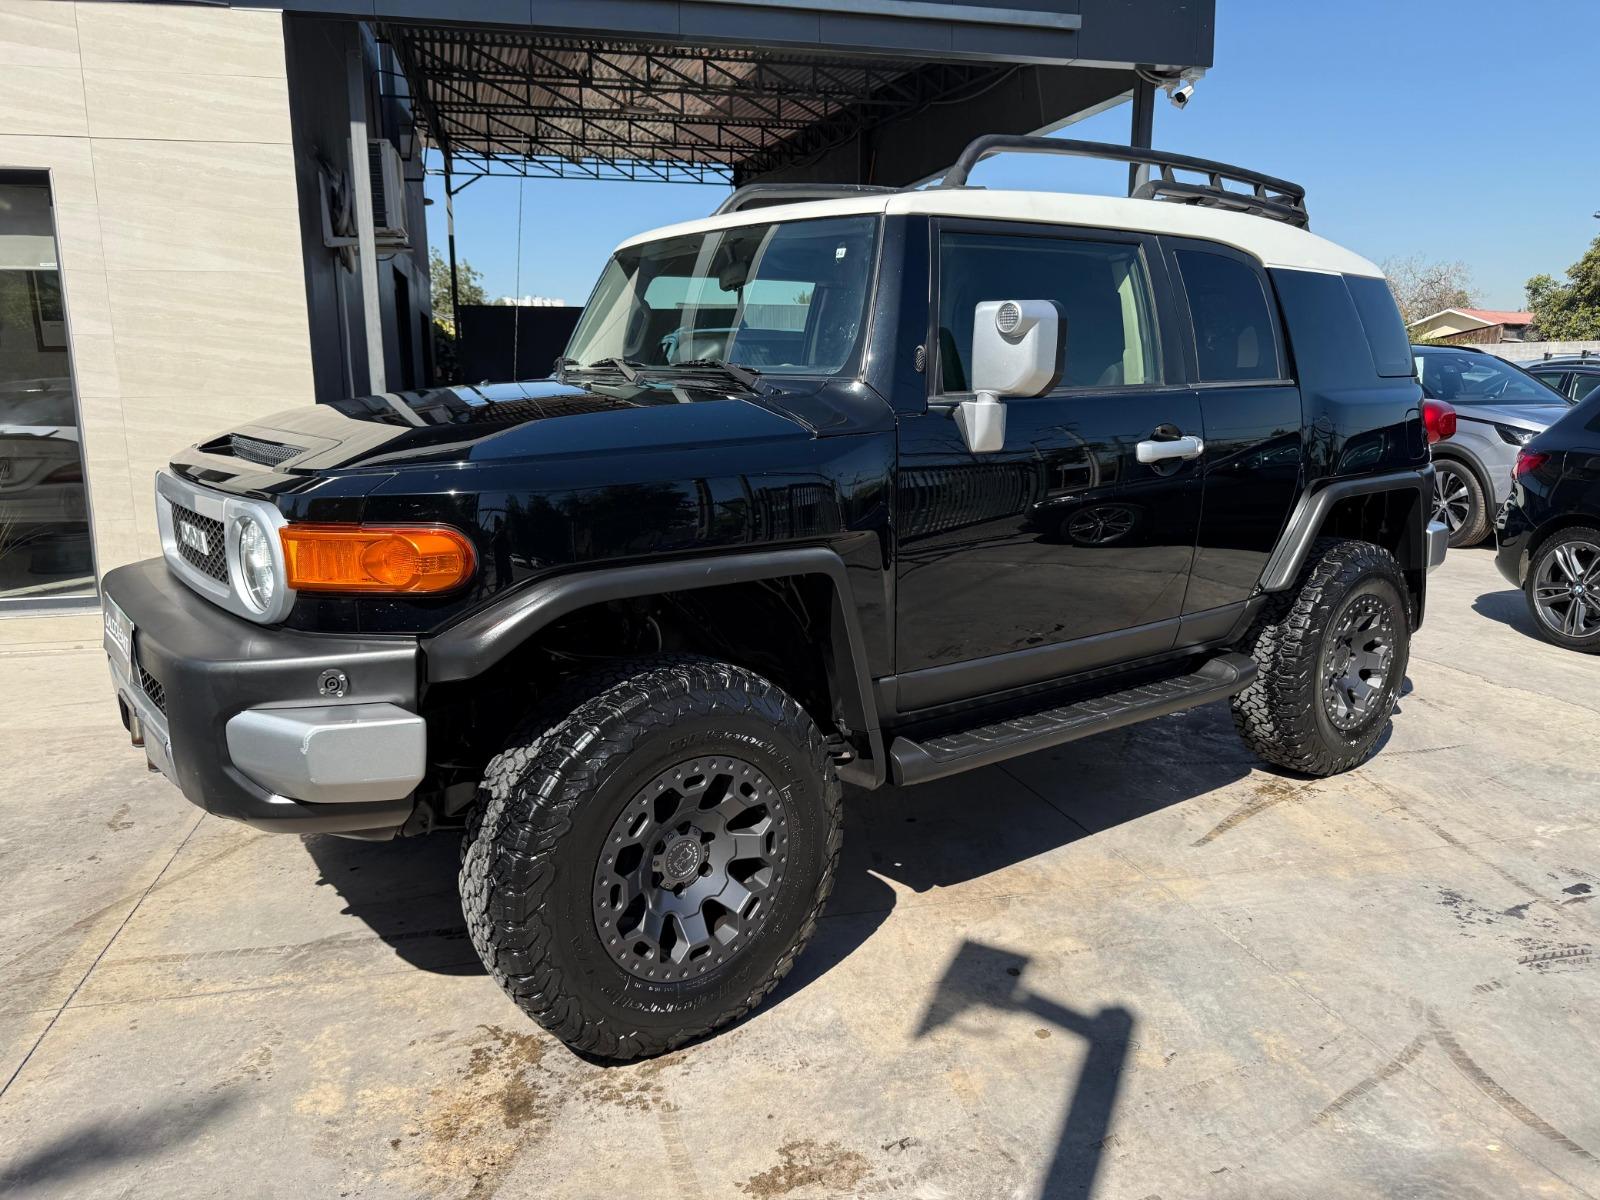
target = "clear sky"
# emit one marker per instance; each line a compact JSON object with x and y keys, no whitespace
{"x":1462,"y":130}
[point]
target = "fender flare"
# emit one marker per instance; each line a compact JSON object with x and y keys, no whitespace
{"x":1313,"y":507}
{"x":473,"y":645}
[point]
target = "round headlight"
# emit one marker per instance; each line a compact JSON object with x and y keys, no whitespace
{"x":256,"y":569}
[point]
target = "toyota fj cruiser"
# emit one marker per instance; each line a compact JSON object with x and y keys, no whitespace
{"x":869,"y":489}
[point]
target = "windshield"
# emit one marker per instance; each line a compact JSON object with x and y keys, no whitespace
{"x":784,"y":298}
{"x":1463,"y":377}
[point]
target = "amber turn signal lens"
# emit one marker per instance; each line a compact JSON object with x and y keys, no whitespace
{"x":370,"y":558}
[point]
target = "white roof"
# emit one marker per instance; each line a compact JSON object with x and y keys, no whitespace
{"x":1274,"y":243}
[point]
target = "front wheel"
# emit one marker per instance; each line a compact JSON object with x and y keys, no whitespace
{"x":1459,"y":502}
{"x":1563,"y":589}
{"x":1330,"y":656}
{"x":647,"y":868}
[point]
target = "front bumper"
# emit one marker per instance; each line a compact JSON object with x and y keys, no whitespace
{"x":285,"y":731}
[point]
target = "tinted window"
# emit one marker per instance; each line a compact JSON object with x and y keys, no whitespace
{"x":1469,"y":377}
{"x":1386,"y":331}
{"x":1233,"y":330}
{"x":1100,"y":288}
{"x":1551,"y":379}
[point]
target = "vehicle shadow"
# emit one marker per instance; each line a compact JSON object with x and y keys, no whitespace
{"x":1508,"y":606}
{"x":405,"y":892}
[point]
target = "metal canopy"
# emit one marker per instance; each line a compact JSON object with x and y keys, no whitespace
{"x":499,"y":102}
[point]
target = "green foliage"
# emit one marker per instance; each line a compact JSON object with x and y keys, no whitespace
{"x":1570,"y":311}
{"x":469,"y":282}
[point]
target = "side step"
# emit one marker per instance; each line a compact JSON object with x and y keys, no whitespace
{"x":948,"y":754}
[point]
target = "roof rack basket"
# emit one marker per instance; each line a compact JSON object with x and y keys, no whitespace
{"x":761,"y":195}
{"x":1268,"y":197}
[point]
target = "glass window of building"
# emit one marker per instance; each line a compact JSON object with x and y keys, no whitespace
{"x":46,"y":558}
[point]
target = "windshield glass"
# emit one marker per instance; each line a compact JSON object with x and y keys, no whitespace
{"x":1463,"y":377}
{"x":784,"y":298}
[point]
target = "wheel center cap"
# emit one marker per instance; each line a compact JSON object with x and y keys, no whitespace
{"x":682,"y":858}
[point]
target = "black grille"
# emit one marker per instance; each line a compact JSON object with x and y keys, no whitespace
{"x":202,"y":549}
{"x":256,"y":450}
{"x":151,"y":687}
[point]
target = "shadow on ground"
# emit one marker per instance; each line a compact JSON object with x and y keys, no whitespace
{"x":405,"y":891}
{"x":1509,"y":607}
{"x":100,"y":1142}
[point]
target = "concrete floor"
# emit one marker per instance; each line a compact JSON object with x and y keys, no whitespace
{"x":1140,"y":966}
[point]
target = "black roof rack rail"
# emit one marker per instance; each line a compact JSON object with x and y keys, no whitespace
{"x":759,"y":195}
{"x":1268,"y":197}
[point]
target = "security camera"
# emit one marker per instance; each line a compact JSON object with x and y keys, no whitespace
{"x":1181,"y":95}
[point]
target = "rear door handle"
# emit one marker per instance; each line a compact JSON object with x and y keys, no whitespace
{"x":1170,"y":448}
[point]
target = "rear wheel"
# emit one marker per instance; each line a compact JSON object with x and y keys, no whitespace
{"x":1563,"y":589}
{"x":1330,"y":657}
{"x":1459,"y":501}
{"x":646,"y":868}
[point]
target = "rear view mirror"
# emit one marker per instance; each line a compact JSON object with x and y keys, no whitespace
{"x":1016,"y":351}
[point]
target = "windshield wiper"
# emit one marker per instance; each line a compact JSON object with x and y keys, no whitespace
{"x":741,"y":375}
{"x":625,"y":367}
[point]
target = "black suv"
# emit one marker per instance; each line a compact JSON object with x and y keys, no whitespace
{"x":869,"y":490}
{"x":1573,"y":375}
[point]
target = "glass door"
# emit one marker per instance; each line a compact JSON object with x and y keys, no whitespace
{"x":46,"y":555}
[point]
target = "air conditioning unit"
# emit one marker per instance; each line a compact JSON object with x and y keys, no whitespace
{"x":388,"y":194}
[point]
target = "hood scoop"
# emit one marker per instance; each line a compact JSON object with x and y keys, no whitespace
{"x":252,"y":449}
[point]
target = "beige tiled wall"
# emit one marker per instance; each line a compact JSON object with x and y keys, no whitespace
{"x":165,"y":129}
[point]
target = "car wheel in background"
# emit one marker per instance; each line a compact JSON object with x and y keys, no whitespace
{"x":1459,"y":502}
{"x":1563,"y":589}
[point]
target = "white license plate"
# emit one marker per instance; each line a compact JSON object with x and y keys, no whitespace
{"x":119,"y":636}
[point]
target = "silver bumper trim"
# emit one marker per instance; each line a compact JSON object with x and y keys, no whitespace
{"x":151,"y":723}
{"x":335,"y":754}
{"x":1438,"y":543}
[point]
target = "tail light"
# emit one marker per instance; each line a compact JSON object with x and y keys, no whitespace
{"x":1439,"y":419}
{"x":1528,"y":460}
{"x":367,"y":558}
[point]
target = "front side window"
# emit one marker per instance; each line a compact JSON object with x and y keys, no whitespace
{"x":1550,"y":379}
{"x":1100,"y":288}
{"x":1583,"y":386}
{"x":1234,"y":336}
{"x":785,"y":298}
{"x":1467,"y":377}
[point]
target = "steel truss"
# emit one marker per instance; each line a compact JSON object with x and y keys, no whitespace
{"x":500,"y":103}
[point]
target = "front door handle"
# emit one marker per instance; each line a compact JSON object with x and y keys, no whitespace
{"x":1170,"y":448}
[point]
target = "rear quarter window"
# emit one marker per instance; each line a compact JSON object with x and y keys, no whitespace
{"x":1386,"y":331}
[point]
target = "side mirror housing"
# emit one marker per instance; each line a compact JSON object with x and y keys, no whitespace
{"x":1016,"y":351}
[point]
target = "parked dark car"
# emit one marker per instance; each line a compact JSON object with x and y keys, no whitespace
{"x":983,"y":472}
{"x":1549,"y":530}
{"x":1499,"y":407}
{"x":1573,"y":375}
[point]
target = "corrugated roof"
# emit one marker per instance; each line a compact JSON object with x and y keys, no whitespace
{"x":576,"y":106}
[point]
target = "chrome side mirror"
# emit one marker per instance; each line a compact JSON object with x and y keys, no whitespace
{"x":1016,"y":351}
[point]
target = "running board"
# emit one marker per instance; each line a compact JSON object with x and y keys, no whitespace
{"x":918,"y":762}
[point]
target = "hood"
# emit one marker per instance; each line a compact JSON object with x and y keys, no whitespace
{"x":530,"y":420}
{"x":1534,"y":417}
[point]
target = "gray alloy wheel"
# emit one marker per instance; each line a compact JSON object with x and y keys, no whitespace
{"x":680,"y":886}
{"x":1356,"y":661}
{"x":1458,"y":501}
{"x":1564,"y":589}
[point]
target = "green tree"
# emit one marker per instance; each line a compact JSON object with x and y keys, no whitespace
{"x":1568,"y":312}
{"x":469,"y":283}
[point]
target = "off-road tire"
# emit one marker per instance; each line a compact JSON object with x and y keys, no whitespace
{"x":1283,"y":716}
{"x":545,"y":809}
{"x":1475,"y":525}
{"x":1589,"y":643}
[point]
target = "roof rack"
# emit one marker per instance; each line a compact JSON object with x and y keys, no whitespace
{"x":1268,"y":197}
{"x":759,"y":195}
